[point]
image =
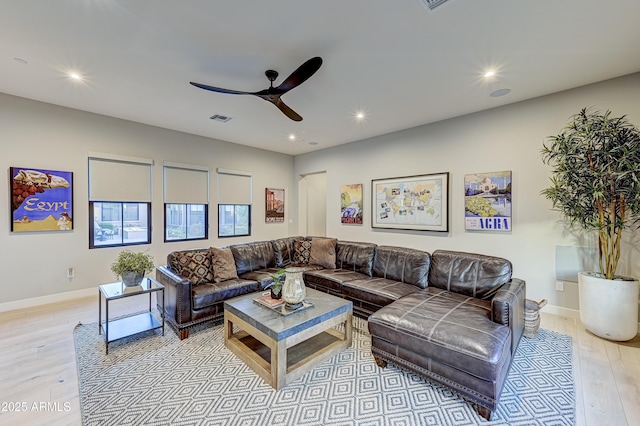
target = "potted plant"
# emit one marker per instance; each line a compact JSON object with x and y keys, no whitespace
{"x":131,"y":266}
{"x":595,"y":184}
{"x":276,"y":287}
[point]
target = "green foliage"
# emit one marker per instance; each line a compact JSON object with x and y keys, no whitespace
{"x":595,"y":181}
{"x":278,"y":280}
{"x":128,"y":261}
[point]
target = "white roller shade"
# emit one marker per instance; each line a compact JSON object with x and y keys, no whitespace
{"x":115,"y":178}
{"x":234,"y":186}
{"x":184,"y":184}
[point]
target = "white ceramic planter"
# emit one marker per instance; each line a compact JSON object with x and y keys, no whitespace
{"x":609,"y":308}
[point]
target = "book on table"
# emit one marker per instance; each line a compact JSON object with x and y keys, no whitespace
{"x":265,"y":299}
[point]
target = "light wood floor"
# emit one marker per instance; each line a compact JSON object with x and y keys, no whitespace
{"x":38,"y":371}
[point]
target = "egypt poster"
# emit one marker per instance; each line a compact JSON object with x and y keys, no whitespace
{"x":41,"y":200}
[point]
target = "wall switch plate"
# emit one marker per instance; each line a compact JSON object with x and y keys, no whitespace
{"x":71,"y":273}
{"x":560,"y":285}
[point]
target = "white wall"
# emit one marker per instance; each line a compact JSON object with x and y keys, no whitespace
{"x":45,"y":136}
{"x":505,"y":138}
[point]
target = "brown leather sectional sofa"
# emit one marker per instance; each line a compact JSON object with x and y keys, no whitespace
{"x":454,"y":318}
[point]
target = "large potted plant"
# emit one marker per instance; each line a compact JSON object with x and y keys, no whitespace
{"x":595,"y":184}
{"x":131,"y":267}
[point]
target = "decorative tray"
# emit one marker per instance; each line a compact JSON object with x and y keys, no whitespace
{"x":278,"y":306}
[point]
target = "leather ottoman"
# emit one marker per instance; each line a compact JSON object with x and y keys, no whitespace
{"x":447,"y":338}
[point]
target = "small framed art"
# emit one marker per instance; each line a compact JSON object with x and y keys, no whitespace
{"x":351,"y":204}
{"x":274,"y":208}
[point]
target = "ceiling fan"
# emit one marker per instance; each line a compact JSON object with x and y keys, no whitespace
{"x":273,"y":94}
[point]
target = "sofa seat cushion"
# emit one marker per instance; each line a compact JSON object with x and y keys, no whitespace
{"x":331,"y":278}
{"x":448,"y":328}
{"x":377,"y":291}
{"x":263,"y":276}
{"x":206,"y":295}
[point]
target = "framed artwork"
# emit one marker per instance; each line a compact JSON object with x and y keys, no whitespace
{"x":351,"y":204}
{"x":412,"y":202}
{"x":274,"y":208}
{"x":487,"y":201}
{"x":41,"y":200}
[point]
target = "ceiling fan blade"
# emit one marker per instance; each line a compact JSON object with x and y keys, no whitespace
{"x":301,"y":74}
{"x":287,"y":111}
{"x":220,"y":90}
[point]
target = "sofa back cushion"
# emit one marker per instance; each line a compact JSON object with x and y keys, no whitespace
{"x":283,"y":251}
{"x":250,"y":257}
{"x":470,"y":274}
{"x":355,"y":256}
{"x":194,"y":265}
{"x":402,"y":264}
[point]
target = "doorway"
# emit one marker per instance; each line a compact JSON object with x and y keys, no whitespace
{"x":312,"y":207}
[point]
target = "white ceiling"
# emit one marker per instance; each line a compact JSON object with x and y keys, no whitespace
{"x":403,"y":66}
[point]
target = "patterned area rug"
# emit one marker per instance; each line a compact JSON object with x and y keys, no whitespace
{"x":159,"y":380}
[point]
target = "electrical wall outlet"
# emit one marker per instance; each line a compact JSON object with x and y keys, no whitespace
{"x":71,"y":273}
{"x":560,"y":285}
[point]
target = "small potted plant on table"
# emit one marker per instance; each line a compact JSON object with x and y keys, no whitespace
{"x":276,"y":287}
{"x":131,"y":267}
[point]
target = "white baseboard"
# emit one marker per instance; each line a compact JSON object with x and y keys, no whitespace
{"x":565,"y":312}
{"x":44,"y":300}
{"x":559,"y":310}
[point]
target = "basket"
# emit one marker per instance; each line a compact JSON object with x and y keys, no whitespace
{"x":532,"y":317}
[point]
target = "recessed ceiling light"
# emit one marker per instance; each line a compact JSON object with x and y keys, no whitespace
{"x":489,"y":74}
{"x":360,"y":115}
{"x":292,"y":137}
{"x":75,"y":76}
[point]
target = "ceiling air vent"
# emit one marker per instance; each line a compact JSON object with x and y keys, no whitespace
{"x":220,"y":118}
{"x":430,"y":5}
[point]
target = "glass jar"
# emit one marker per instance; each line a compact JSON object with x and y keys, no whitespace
{"x":293,"y":290}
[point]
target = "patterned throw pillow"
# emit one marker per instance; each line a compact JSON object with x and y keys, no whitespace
{"x":193,"y":265}
{"x":301,"y":251}
{"x":224,"y":266}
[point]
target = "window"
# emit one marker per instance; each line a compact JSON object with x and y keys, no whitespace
{"x":119,"y":200}
{"x":114,"y":228}
{"x":234,"y":198}
{"x":234,"y":220}
{"x":186,"y":222}
{"x":186,"y":198}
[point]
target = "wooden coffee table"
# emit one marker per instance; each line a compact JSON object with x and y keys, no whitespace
{"x":282,"y":348}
